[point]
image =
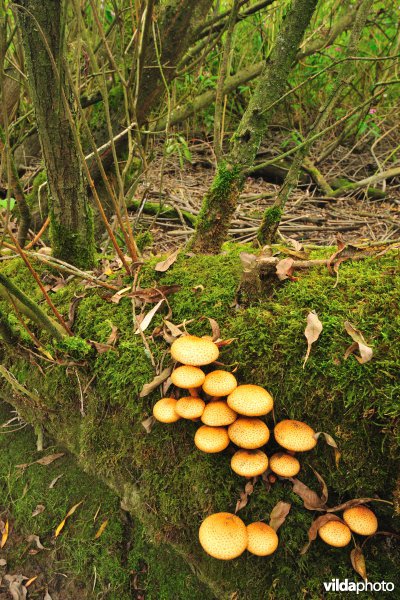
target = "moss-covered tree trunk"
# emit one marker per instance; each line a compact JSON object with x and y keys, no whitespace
{"x":220,"y":202}
{"x":42,"y":27}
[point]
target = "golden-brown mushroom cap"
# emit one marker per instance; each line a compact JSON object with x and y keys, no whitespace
{"x":284,"y":465}
{"x":361,"y":520}
{"x":248,"y":433}
{"x":218,"y":414}
{"x":164,"y":410}
{"x":211,"y":439}
{"x":249,"y":463}
{"x":193,"y":350}
{"x":188,"y":377}
{"x":335,"y":534}
{"x":190,"y":407}
{"x":262,"y":539}
{"x":295,"y":435}
{"x":223,"y":536}
{"x":250,"y":400}
{"x":219,"y":383}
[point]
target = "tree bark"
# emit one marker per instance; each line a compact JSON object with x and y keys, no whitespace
{"x":220,"y":202}
{"x":70,"y":213}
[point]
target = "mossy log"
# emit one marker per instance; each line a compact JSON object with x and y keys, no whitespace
{"x":165,"y":482}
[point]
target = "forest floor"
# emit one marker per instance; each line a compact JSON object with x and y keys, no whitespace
{"x":308,"y":216}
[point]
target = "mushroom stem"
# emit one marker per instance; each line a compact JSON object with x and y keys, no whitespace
{"x":194,"y":392}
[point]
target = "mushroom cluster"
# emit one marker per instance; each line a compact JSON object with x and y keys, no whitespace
{"x":357,"y":519}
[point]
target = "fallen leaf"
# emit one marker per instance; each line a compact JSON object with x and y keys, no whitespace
{"x":4,"y":534}
{"x":174,"y":329}
{"x":278,"y":514}
{"x":355,"y":502}
{"x":35,"y":539}
{"x":315,"y":526}
{"x":38,"y":510}
{"x":112,"y":338}
{"x":295,"y":243}
{"x":148,"y":318}
{"x":101,"y":529}
{"x":71,"y":511}
{"x":50,"y":458}
{"x":164,"y":265}
{"x":148,"y":423}
{"x":54,"y":481}
{"x":16,"y":588}
{"x":358,"y":562}
{"x":284,"y":269}
{"x":244,"y":496}
{"x":30,"y":581}
{"x":72,"y":309}
{"x":154,"y":294}
{"x":324,"y":487}
{"x":331,"y":442}
{"x":360,"y":344}
{"x":311,"y":500}
{"x":158,"y":380}
{"x":216,"y":332}
{"x":100,"y":347}
{"x":312,"y":332}
{"x":3,"y":562}
{"x":47,"y":596}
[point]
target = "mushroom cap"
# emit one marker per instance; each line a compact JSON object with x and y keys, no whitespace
{"x":164,"y":410}
{"x":335,"y":534}
{"x":361,"y":520}
{"x":223,"y":535}
{"x":190,"y":407}
{"x":263,"y":540}
{"x":211,"y":439}
{"x":295,"y":435}
{"x":248,"y":433}
{"x":218,"y":414}
{"x":195,"y":351}
{"x":249,"y":463}
{"x":284,"y":465}
{"x":188,"y":377}
{"x":250,"y":400}
{"x":219,"y":383}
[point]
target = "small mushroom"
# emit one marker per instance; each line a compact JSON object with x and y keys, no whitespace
{"x":218,"y":414}
{"x":219,"y":383}
{"x":164,"y":410}
{"x":248,"y":433}
{"x":188,"y":378}
{"x":223,"y":536}
{"x":211,"y":439}
{"x":249,"y":463}
{"x":335,"y":533}
{"x":251,"y":401}
{"x":262,"y":539}
{"x":190,"y":407}
{"x":284,"y":465}
{"x":295,"y":435}
{"x":194,"y":351}
{"x":361,"y":520}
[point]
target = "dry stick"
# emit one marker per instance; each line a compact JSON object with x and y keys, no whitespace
{"x":40,"y":284}
{"x":219,"y":96}
{"x":77,"y":141}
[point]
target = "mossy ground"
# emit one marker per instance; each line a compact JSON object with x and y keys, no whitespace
{"x":177,"y":485}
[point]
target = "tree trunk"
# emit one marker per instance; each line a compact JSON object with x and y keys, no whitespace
{"x":220,"y":202}
{"x":70,"y":213}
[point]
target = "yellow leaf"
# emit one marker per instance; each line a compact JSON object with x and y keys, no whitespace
{"x":69,"y":513}
{"x":31,"y":580}
{"x":101,"y":529}
{"x":108,"y":272}
{"x":4,"y":536}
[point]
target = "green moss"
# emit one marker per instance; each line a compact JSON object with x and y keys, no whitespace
{"x":171,"y":484}
{"x":271,"y":219}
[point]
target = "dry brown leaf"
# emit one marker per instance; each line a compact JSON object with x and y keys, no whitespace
{"x":148,"y":423}
{"x":216,"y":332}
{"x":312,"y":332}
{"x":72,"y":309}
{"x":355,"y":502}
{"x":295,"y":243}
{"x":50,"y":458}
{"x":324,"y":487}
{"x":101,"y":529}
{"x":30,"y":581}
{"x":311,"y":500}
{"x":54,"y":481}
{"x":3,"y":562}
{"x":244,"y":496}
{"x":278,"y":514}
{"x":16,"y":587}
{"x":331,"y":442}
{"x":148,"y":318}
{"x":315,"y":526}
{"x":158,"y":380}
{"x":284,"y":269}
{"x":71,"y":511}
{"x":35,"y":539}
{"x":4,"y":534}
{"x":164,"y":265}
{"x":358,"y":562}
{"x":154,"y":294}
{"x":112,"y":338}
{"x":38,"y":510}
{"x":47,"y":596}
{"x":100,"y":347}
{"x":360,"y":344}
{"x":174,"y":329}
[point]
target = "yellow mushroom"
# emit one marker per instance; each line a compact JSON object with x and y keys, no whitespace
{"x":189,"y":378}
{"x":335,"y":533}
{"x":223,"y":536}
{"x":190,"y":407}
{"x":284,"y":465}
{"x":194,"y":351}
{"x":219,"y":383}
{"x":211,"y":439}
{"x":218,"y":414}
{"x":262,"y":539}
{"x":248,"y":433}
{"x":249,"y":463}
{"x":361,"y":520}
{"x":164,"y":410}
{"x":295,"y":436}
{"x":251,"y":401}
